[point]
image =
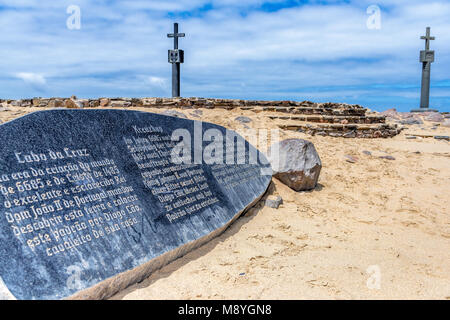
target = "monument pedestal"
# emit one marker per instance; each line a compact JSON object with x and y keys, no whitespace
{"x":424,"y":110}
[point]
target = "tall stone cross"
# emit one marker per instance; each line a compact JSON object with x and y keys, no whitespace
{"x":427,"y":58}
{"x":176,"y":57}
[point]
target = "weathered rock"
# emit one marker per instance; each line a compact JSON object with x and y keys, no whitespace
{"x":351,"y":159}
{"x":273,"y":202}
{"x":243,"y":119}
{"x":350,"y":134}
{"x":410,"y":121}
{"x":447,"y":138}
{"x":173,"y":113}
{"x":391,"y":113}
{"x":198,"y":112}
{"x":56,"y":103}
{"x":120,"y":104}
{"x":377,"y":134}
{"x":73,"y":104}
{"x":446,"y":123}
{"x":435,"y":117}
{"x":296,"y":163}
{"x":368,"y":153}
{"x":16,"y":103}
{"x":104,"y":102}
{"x":387,"y":157}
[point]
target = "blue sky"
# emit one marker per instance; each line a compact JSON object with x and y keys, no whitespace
{"x":255,"y":49}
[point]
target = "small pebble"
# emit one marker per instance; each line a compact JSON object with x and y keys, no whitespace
{"x":387,"y":157}
{"x":351,"y":159}
{"x":273,"y":202}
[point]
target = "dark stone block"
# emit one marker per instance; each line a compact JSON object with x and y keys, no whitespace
{"x":91,"y":201}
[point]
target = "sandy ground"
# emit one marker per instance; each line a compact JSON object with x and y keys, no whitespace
{"x":374,"y":229}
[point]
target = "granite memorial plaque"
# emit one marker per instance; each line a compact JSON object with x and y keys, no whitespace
{"x":92,"y":201}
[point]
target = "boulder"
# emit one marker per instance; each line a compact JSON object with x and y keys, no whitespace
{"x":104,"y":102}
{"x":56,"y":103}
{"x":446,"y":123}
{"x":73,"y":104}
{"x":296,"y":163}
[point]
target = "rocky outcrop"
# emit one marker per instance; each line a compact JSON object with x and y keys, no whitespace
{"x":296,"y":163}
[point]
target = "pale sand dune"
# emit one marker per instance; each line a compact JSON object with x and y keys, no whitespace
{"x":319,"y":244}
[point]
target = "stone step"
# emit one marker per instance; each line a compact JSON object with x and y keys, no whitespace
{"x":345,"y":130}
{"x":332,"y":119}
{"x":313,"y":110}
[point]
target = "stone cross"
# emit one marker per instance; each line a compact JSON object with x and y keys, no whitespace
{"x":426,"y":57}
{"x":176,"y":57}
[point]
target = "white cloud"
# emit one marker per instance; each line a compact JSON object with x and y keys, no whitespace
{"x":282,"y":54}
{"x":158,"y":82}
{"x":32,"y":78}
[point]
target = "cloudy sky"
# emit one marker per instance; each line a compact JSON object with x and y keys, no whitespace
{"x":250,"y":49}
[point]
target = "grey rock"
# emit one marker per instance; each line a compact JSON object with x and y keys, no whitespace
{"x":411,"y":121}
{"x":442,"y":138}
{"x":351,"y":134}
{"x":273,"y":202}
{"x":16,"y":103}
{"x":446,"y":123}
{"x":243,"y":119}
{"x":435,"y":117}
{"x":296,"y":163}
{"x":120,"y":104}
{"x":368,"y":153}
{"x":173,"y":113}
{"x":387,"y":157}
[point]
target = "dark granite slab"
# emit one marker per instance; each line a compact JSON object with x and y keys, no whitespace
{"x":91,"y":201}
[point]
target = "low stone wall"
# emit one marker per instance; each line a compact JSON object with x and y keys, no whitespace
{"x":73,"y":102}
{"x":346,"y":130}
{"x":332,"y":119}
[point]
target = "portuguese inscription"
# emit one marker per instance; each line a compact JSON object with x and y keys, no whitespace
{"x":86,"y":195}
